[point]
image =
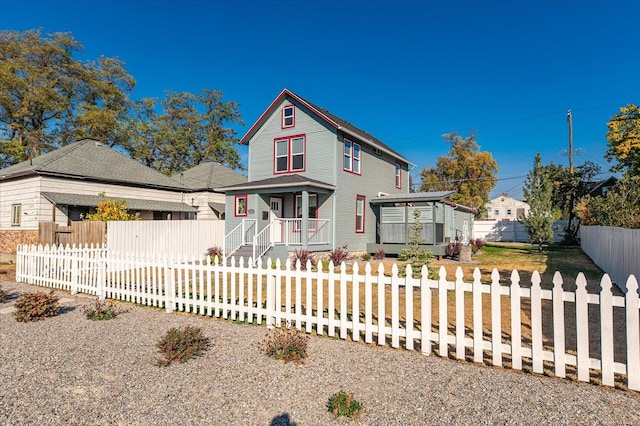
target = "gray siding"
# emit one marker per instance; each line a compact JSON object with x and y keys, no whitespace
{"x":378,"y":175}
{"x":319,"y":141}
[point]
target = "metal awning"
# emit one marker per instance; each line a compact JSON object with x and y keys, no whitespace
{"x":132,"y":203}
{"x":413,"y":197}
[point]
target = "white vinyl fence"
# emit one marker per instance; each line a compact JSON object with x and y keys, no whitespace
{"x":412,"y":311}
{"x":171,"y":237}
{"x":511,"y":230}
{"x":615,"y":250}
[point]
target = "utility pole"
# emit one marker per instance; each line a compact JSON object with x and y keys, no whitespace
{"x":570,"y":121}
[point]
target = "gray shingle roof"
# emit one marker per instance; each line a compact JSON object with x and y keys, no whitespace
{"x":285,"y":181}
{"x":132,"y":203}
{"x":90,"y":159}
{"x":208,"y":176}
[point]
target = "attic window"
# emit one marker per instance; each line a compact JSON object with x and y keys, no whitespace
{"x":288,"y":116}
{"x":377,"y":151}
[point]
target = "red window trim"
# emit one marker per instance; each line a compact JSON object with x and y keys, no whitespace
{"x":350,"y":169}
{"x":289,"y":162}
{"x":284,"y":126}
{"x":398,"y":176}
{"x":364,"y":205}
{"x":235,"y":205}
{"x":295,"y":209}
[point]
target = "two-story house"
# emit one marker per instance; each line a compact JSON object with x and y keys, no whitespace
{"x":317,"y":182}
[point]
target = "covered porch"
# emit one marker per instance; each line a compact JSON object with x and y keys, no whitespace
{"x":279,"y":215}
{"x":442,"y":221}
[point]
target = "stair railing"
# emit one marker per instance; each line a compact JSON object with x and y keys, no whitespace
{"x":238,"y":237}
{"x":262,"y":241}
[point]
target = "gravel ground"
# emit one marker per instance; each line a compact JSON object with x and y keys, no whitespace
{"x":69,"y":370}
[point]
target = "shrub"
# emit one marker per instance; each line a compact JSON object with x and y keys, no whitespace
{"x":338,"y":256}
{"x":379,"y":255}
{"x":453,"y":249}
{"x":477,"y":244}
{"x":214,"y":251}
{"x":286,"y":344}
{"x":3,"y":293}
{"x":303,"y":255}
{"x":36,"y":306}
{"x":181,"y":344}
{"x":343,"y":404}
{"x":101,"y":310}
{"x":366,"y":257}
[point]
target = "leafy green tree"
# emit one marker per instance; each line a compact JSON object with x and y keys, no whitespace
{"x":466,"y":170}
{"x":191,"y":128}
{"x":48,"y":98}
{"x":538,"y":191}
{"x":624,"y":140}
{"x":620,"y":206}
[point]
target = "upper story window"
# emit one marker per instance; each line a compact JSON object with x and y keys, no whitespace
{"x":398,"y":176}
{"x":289,"y":154}
{"x":288,"y":116}
{"x":16,"y":214}
{"x":351,"y":157}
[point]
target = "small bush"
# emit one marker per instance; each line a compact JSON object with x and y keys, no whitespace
{"x":477,"y":244}
{"x":338,"y":256}
{"x":366,"y":257}
{"x":101,"y":310}
{"x":303,"y":256}
{"x":181,"y":344}
{"x":343,"y":404}
{"x":379,"y":255}
{"x":36,"y":306}
{"x":453,"y":249}
{"x":3,"y":293}
{"x":286,"y":344}
{"x":214,"y":252}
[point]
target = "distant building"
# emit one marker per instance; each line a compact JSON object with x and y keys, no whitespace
{"x":506,"y":208}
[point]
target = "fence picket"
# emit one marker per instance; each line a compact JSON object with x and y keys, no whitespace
{"x":582,"y":328}
{"x":194,"y":285}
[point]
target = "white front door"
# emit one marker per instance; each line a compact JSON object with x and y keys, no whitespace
{"x":275,"y":213}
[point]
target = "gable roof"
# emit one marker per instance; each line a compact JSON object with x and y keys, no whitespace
{"x":92,"y":160}
{"x":208,"y":176}
{"x":132,"y":203}
{"x":285,"y":183}
{"x":330,"y":119}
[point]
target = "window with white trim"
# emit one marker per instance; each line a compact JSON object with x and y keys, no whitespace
{"x":360,"y":200}
{"x":289,"y":154}
{"x":398,"y":176}
{"x":241,"y":203}
{"x":16,"y":214}
{"x":351,"y":157}
{"x":288,"y":116}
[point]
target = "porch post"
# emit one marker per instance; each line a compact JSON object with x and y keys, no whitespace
{"x":304,"y":228}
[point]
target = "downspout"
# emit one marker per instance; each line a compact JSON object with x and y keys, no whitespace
{"x":334,"y":197}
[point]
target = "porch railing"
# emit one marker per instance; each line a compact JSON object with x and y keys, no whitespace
{"x":319,"y":231}
{"x":239,"y":236}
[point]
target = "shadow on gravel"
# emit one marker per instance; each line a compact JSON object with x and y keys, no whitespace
{"x":66,"y":309}
{"x":282,"y":420}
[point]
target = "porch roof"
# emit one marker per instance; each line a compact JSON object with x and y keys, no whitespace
{"x":413,"y":197}
{"x":285,"y":183}
{"x":132,"y":203}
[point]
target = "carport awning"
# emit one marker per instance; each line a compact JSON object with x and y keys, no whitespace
{"x":132,"y":203}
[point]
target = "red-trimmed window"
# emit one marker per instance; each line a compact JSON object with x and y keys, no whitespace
{"x":288,"y":116}
{"x":313,"y":210}
{"x":241,"y":203}
{"x":289,"y":154}
{"x":398,"y":176}
{"x":351,"y":157}
{"x":360,"y":205}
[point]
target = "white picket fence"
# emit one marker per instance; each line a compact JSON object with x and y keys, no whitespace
{"x":352,"y":304}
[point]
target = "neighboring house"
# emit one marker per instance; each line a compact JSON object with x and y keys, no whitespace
{"x":202,"y":180}
{"x":506,"y":208}
{"x":315,"y":182}
{"x":64,"y":184}
{"x":600,"y":188}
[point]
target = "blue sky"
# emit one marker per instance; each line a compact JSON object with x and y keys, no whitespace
{"x":405,"y":71}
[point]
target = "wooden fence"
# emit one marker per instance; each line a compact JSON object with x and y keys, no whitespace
{"x":171,"y":237}
{"x":78,"y":233}
{"x":542,"y":328}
